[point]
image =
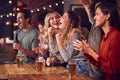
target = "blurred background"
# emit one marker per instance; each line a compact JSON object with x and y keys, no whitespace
{"x":8,"y":9}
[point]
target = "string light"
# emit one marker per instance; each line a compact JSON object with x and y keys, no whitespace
{"x":50,"y":6}
{"x":56,"y":4}
{"x":8,"y":23}
{"x":7,"y":15}
{"x":10,"y":14}
{"x":13,"y":15}
{"x":44,"y":7}
{"x":10,"y":2}
{"x":1,"y":16}
{"x":32,"y":10}
{"x":38,"y":10}
{"x":62,"y":2}
{"x":17,"y":9}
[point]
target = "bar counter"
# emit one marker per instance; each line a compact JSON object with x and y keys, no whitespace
{"x":11,"y":72}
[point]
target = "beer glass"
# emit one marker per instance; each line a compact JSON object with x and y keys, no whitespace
{"x":39,"y":64}
{"x":19,"y":60}
{"x":72,"y":68}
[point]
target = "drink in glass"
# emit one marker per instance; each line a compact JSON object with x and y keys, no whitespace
{"x":72,"y":68}
{"x":52,"y":58}
{"x":20,"y":61}
{"x":39,"y":64}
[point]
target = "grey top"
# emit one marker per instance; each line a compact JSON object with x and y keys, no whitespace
{"x":94,"y":35}
{"x":28,"y":40}
{"x":69,"y":52}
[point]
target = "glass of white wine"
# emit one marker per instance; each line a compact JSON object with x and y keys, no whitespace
{"x":19,"y":59}
{"x":52,"y":58}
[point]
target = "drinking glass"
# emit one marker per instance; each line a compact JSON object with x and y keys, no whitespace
{"x":52,"y":58}
{"x":72,"y":68}
{"x":19,"y":60}
{"x":39,"y":64}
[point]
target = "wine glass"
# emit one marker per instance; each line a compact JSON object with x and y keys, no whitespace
{"x":19,"y":59}
{"x":52,"y":58}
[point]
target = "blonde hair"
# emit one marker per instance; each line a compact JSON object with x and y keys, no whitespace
{"x":47,"y":24}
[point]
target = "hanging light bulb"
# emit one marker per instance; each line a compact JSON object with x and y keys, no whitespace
{"x":13,"y":14}
{"x":7,"y":15}
{"x":56,"y":4}
{"x":62,"y":2}
{"x":18,"y":9}
{"x":44,"y":8}
{"x":10,"y":1}
{"x":38,"y":9}
{"x":8,"y":23}
{"x":50,"y":6}
{"x":10,"y":14}
{"x":1,"y":16}
{"x":31,"y":11}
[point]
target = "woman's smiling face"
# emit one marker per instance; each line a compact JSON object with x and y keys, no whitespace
{"x":64,"y":20}
{"x":54,"y":20}
{"x":100,"y":18}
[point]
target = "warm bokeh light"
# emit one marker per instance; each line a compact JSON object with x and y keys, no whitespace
{"x":10,"y":14}
{"x":14,"y":31}
{"x":13,"y":15}
{"x":7,"y":15}
{"x":1,"y":16}
{"x":56,"y":4}
{"x":14,"y":9}
{"x":31,"y":11}
{"x":50,"y":6}
{"x":44,"y":8}
{"x":18,"y":9}
{"x":8,"y":23}
{"x":10,"y":1}
{"x":15,"y":24}
{"x":7,"y":39}
{"x":62,"y":2}
{"x":38,"y":9}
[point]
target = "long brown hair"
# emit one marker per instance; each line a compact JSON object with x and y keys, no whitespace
{"x":74,"y":23}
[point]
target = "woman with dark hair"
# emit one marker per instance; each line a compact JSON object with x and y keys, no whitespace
{"x":108,"y":57}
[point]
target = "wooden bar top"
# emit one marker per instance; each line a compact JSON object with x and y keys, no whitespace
{"x":11,"y":72}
